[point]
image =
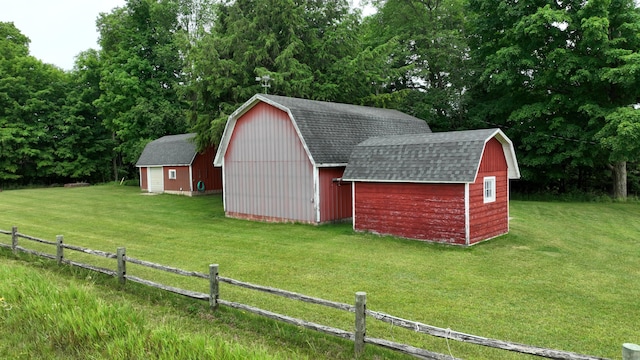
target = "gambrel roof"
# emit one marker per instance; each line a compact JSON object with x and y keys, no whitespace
{"x":448,"y":157}
{"x":170,"y":150}
{"x":329,"y":131}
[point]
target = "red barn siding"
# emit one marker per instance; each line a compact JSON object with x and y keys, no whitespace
{"x":180,"y":183}
{"x":143,"y":179}
{"x":267,"y":173}
{"x":203,"y":170}
{"x":490,"y":219}
{"x":335,"y":197}
{"x":419,"y":211}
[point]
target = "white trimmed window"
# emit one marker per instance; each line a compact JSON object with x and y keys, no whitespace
{"x":172,"y":174}
{"x":489,"y":189}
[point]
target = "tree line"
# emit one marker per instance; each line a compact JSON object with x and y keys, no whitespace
{"x":562,"y":79}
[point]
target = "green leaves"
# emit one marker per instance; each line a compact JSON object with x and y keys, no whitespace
{"x":560,"y":80}
{"x":621,"y":134}
{"x":309,"y":49}
{"x":141,"y":69}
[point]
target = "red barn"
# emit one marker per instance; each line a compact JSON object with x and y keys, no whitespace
{"x":281,"y":156}
{"x":450,"y":187}
{"x":172,"y":165}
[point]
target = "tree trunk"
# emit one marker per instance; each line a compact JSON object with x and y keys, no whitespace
{"x":620,"y":180}
{"x":114,"y":160}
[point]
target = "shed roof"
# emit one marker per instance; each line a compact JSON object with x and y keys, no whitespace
{"x":329,"y":131}
{"x":169,"y":150}
{"x":447,"y":157}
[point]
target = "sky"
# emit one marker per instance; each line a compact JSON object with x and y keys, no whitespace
{"x":59,"y":29}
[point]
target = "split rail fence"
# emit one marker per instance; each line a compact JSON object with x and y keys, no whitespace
{"x":358,"y":336}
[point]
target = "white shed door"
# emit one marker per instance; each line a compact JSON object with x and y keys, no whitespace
{"x":156,"y":179}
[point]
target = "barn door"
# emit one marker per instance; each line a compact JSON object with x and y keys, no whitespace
{"x":156,"y":179}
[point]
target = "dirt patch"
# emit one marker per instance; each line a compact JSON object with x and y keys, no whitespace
{"x":78,"y":184}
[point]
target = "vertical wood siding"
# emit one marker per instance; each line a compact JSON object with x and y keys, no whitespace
{"x":180,"y":183}
{"x":268,"y":175}
{"x":491,"y":219}
{"x":433,"y":212}
{"x":143,"y":179}
{"x":203,"y":170}
{"x":335,"y":197}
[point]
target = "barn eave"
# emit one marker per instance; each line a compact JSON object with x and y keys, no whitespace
{"x":157,"y":165}
{"x":406,"y":181}
{"x":331,"y":165}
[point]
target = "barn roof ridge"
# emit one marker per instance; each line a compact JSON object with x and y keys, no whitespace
{"x":434,"y":137}
{"x":449,"y":157}
{"x":329,"y":131}
{"x":174,"y":150}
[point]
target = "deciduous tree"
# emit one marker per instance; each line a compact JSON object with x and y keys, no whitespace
{"x":141,"y":71}
{"x":427,"y":57}
{"x":560,"y":77}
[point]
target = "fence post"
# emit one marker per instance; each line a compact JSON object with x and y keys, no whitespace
{"x":361,"y":323}
{"x":214,"y":291}
{"x":122,"y":265}
{"x":630,"y":352}
{"x":59,"y":249}
{"x":14,"y":239}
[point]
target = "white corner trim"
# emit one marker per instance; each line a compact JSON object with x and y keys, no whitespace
{"x":316,"y":192}
{"x":353,"y":206}
{"x":467,"y":216}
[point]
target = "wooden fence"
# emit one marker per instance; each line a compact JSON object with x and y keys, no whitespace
{"x":358,"y":336}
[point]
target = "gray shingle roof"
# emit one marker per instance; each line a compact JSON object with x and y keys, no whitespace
{"x":331,"y":130}
{"x":169,"y":150}
{"x":449,"y":157}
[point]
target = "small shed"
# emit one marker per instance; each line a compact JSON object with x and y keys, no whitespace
{"x":450,"y":187}
{"x":172,"y":165}
{"x":282,"y":157}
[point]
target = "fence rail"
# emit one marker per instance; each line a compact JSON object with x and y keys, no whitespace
{"x":289,"y":294}
{"x":358,"y":336}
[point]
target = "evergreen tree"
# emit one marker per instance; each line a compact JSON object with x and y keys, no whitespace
{"x":307,"y":48}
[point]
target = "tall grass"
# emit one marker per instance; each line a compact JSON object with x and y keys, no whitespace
{"x":565,"y":277}
{"x":43,"y":315}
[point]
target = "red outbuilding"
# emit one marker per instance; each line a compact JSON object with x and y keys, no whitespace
{"x":172,"y":165}
{"x":282,"y":157}
{"x":450,"y":187}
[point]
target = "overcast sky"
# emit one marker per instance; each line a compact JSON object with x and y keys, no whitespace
{"x":59,"y":29}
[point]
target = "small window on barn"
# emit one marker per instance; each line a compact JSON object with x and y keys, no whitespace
{"x":172,"y":174}
{"x":489,"y":189}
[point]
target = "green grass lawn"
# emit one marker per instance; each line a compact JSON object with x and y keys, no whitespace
{"x":566,"y":276}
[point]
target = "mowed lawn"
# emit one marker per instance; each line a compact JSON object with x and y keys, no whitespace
{"x":566,"y":277}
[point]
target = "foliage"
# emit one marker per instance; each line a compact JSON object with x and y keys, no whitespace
{"x":31,"y":98}
{"x":427,"y":58}
{"x":513,"y":288}
{"x":50,"y":131}
{"x":308,"y":49}
{"x":85,"y":145}
{"x":559,"y":76}
{"x":140,"y":72}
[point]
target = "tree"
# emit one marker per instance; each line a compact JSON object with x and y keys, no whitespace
{"x":554,"y":75}
{"x":427,"y":54}
{"x":308,"y":48}
{"x":31,"y":98}
{"x":142,"y":69}
{"x":84,"y":146}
